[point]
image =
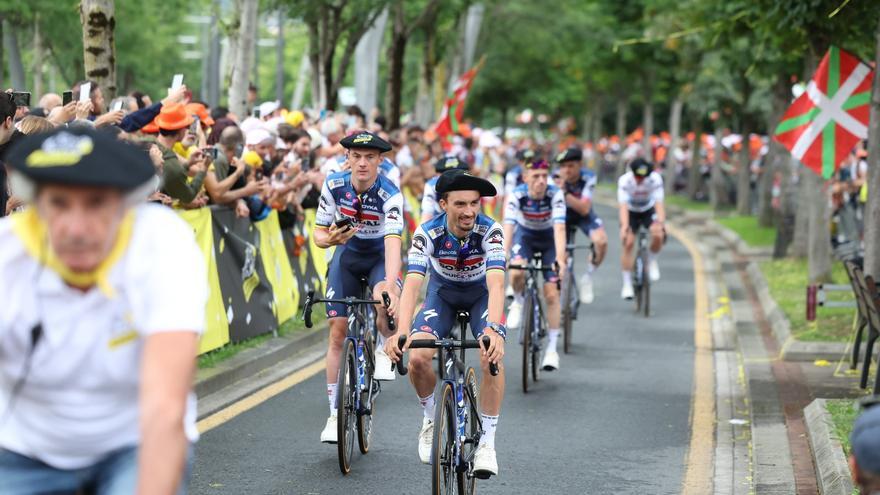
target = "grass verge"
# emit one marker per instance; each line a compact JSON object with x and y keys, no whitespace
{"x":687,"y":203}
{"x":290,"y":327}
{"x":843,"y":414}
{"x":787,"y":279}
{"x":748,"y":229}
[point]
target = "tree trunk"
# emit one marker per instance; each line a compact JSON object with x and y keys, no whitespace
{"x":770,"y":166}
{"x":302,"y":79}
{"x":744,"y":174}
{"x":622,"y":107}
{"x":716,"y":179}
{"x":675,"y":133}
{"x":214,"y":53}
{"x":10,"y":46}
{"x":819,"y":237}
{"x":366,"y":64}
{"x":694,"y":173}
{"x":396,"y":52}
{"x":648,"y":120}
{"x":872,"y":208}
{"x":279,"y":58}
{"x":39,"y":64}
{"x":424,"y":107}
{"x":243,"y":57}
{"x":473,"y":21}
{"x":800,"y":238}
{"x":99,"y":48}
{"x":596,"y":127}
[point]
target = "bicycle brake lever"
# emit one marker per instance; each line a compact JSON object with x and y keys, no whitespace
{"x":386,"y":300}
{"x":493,"y":368}
{"x":307,"y":309}
{"x":401,"y":368}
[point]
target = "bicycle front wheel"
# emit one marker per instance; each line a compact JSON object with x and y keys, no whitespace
{"x":646,"y":287}
{"x":568,"y":308}
{"x":443,"y":462}
{"x":527,"y":328}
{"x":346,"y":406}
{"x":638,"y":275}
{"x":465,"y":478}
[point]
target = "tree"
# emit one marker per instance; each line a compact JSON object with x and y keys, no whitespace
{"x":98,"y":21}
{"x":243,"y":56}
{"x":872,"y":209}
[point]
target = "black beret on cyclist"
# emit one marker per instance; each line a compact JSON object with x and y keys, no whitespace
{"x":366,"y":140}
{"x":81,"y":156}
{"x":460,"y":180}
{"x":571,"y":154}
{"x":641,"y":167}
{"x":449,"y":163}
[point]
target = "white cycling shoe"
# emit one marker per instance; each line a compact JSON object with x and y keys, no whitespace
{"x":426,"y":440}
{"x":550,"y":361}
{"x":627,"y":292}
{"x":586,"y":289}
{"x":485,"y":463}
{"x":653,"y":270}
{"x":329,"y":433}
{"x":383,"y":371}
{"x":514,"y":315}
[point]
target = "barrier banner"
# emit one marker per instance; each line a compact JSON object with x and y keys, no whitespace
{"x":277,"y":265}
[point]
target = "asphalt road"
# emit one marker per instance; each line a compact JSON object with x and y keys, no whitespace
{"x":614,"y":419}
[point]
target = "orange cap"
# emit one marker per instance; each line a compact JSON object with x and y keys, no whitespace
{"x":202,"y":112}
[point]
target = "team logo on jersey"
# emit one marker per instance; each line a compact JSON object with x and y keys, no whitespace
{"x":495,"y":237}
{"x":347,"y":194}
{"x":384,"y":194}
{"x":332,"y":313}
{"x":393,"y":214}
{"x":430,"y":313}
{"x":419,"y":242}
{"x":481,"y":229}
{"x":334,"y":183}
{"x":448,"y":245}
{"x":436,"y":231}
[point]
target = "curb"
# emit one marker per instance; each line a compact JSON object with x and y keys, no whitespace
{"x":252,"y":362}
{"x":832,"y":469}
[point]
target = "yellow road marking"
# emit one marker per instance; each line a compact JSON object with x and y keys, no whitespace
{"x":253,"y":400}
{"x":701,"y":451}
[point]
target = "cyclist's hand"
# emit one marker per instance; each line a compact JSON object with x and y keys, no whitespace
{"x":340,"y":236}
{"x":623,"y":230}
{"x":560,"y":269}
{"x":394,"y":300}
{"x":394,"y":352}
{"x":495,"y":352}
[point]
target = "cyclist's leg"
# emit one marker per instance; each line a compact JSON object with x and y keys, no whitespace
{"x":627,"y":256}
{"x":377,"y":282}
{"x":341,"y":282}
{"x":520,"y":254}
{"x":551,"y":293}
{"x":491,"y":387}
{"x":433,"y":321}
{"x":595,"y":230}
{"x":658,"y":232}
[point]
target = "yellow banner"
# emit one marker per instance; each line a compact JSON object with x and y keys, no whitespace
{"x":277,"y":265}
{"x":216,"y":326}
{"x":320,"y":257}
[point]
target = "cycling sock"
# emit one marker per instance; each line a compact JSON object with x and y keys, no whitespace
{"x":428,"y":406}
{"x":627,"y":278}
{"x":518,"y":297}
{"x":552,"y":338}
{"x":331,"y":395}
{"x":380,"y":340}
{"x":489,"y":424}
{"x":590,"y":267}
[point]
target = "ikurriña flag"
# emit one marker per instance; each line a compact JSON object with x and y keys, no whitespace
{"x":831,"y":116}
{"x":453,"y":109}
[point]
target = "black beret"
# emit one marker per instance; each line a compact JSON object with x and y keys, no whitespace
{"x":525,"y":155}
{"x":571,"y":154}
{"x":641,"y":167}
{"x":448,"y":163}
{"x":81,"y":156}
{"x":459,"y":180}
{"x":365,"y":140}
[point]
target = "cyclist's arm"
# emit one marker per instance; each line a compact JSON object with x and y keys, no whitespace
{"x":580,"y":205}
{"x":623,"y":202}
{"x":660,"y":208}
{"x":493,"y":245}
{"x":623,"y":216}
{"x":429,"y":202}
{"x":393,"y":209}
{"x":558,"y":212}
{"x":417,"y":266}
{"x":511,"y":208}
{"x":324,"y":217}
{"x":508,"y":237}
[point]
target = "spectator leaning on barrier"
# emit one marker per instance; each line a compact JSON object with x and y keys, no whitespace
{"x":173,"y":122}
{"x":108,"y":402}
{"x":225,"y":183}
{"x":8,"y":135}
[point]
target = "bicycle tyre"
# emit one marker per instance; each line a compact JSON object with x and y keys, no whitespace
{"x":638,"y":283}
{"x":466,"y":481}
{"x":646,"y":286}
{"x":526,"y":327}
{"x":345,"y":406}
{"x":536,"y":354}
{"x":365,"y":420}
{"x":443,"y":469}
{"x":567,"y":310}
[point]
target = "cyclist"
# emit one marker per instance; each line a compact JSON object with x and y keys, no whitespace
{"x":640,"y":198}
{"x":430,"y":206}
{"x":577,"y":187}
{"x":534,"y":217}
{"x":463,"y":250}
{"x":361,"y":213}
{"x":514,"y":176}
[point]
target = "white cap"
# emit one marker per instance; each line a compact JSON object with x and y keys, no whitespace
{"x":257,"y":136}
{"x":249,"y":124}
{"x":268,"y":107}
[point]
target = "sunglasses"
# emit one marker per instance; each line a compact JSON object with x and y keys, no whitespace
{"x":463,"y":252}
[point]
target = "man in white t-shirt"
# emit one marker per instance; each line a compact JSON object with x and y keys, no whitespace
{"x":99,"y":332}
{"x":640,"y":200}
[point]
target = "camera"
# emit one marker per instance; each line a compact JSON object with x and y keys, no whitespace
{"x":66,"y":97}
{"x":21,"y":98}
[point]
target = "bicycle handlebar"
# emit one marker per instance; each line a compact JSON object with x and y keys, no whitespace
{"x":442,"y":344}
{"x":348,"y":301}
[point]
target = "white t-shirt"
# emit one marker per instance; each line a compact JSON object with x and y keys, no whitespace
{"x":80,"y":399}
{"x":640,"y":197}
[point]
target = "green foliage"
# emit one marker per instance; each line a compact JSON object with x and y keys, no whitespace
{"x":843,"y":414}
{"x":217,"y":356}
{"x":747,"y":228}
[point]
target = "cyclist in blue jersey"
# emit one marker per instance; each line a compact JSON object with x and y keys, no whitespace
{"x":430,"y":205}
{"x":514,"y":176}
{"x":361,"y":213}
{"x":577,"y":185}
{"x":463,"y":250}
{"x":535,"y":218}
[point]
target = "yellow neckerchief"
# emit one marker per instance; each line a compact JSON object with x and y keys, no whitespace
{"x":32,"y":232}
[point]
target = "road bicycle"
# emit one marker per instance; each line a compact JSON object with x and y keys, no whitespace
{"x":533,"y":329}
{"x":457,"y":423}
{"x":357,"y":389}
{"x":641,"y":277}
{"x":570,"y":296}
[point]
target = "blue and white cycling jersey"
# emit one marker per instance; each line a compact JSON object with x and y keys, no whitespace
{"x":430,"y":204}
{"x":380,"y":215}
{"x":435,"y":247}
{"x":535,"y":216}
{"x":582,"y":188}
{"x":512,"y":179}
{"x":387,"y":168}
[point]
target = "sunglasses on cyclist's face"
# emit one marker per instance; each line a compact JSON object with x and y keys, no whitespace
{"x":463,"y":252}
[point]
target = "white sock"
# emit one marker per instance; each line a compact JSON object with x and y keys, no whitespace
{"x":627,"y":278}
{"x":489,"y":425}
{"x":380,"y":341}
{"x":590,"y":267}
{"x":552,"y":338}
{"x":428,"y":406}
{"x":652,"y":256}
{"x":331,"y":395}
{"x":518,"y":297}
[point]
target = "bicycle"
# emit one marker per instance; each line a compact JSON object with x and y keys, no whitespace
{"x":570,"y":297}
{"x":457,"y":424}
{"x":357,"y":389}
{"x":641,"y":278}
{"x":534,"y":325}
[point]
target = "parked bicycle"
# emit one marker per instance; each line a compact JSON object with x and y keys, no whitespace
{"x":457,"y":425}
{"x":357,"y":389}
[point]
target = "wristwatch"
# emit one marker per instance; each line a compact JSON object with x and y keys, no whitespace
{"x":499,"y":329}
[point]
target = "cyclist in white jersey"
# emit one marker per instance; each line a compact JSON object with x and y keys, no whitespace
{"x":640,"y":198}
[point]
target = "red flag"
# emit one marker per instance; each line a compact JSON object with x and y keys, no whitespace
{"x":825,"y":122}
{"x":453,"y":109}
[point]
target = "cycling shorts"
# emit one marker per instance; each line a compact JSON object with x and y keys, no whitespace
{"x":526,"y":243}
{"x":344,"y":274}
{"x":586,"y":224}
{"x":637,"y":219}
{"x":443,"y":300}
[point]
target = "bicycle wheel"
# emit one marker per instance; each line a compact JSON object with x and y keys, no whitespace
{"x":567,"y":310}
{"x":638,"y":271}
{"x":443,"y":463}
{"x":346,"y":404}
{"x":368,"y":400}
{"x":646,"y":286}
{"x":536,"y":346}
{"x":527,"y":327}
{"x":465,"y":478}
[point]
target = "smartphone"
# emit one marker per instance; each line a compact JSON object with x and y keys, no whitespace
{"x":85,"y":92}
{"x":21,"y":98}
{"x":66,"y":97}
{"x":258,"y":173}
{"x":212,"y":152}
{"x":176,"y":81}
{"x":194,"y":127}
{"x":343,"y":223}
{"x":256,"y":113}
{"x":239,"y":150}
{"x":117,"y":106}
